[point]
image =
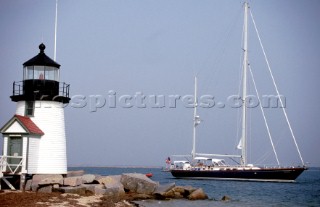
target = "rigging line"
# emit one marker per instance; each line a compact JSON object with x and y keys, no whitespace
{"x":264,"y":116}
{"x":263,"y":158}
{"x":221,"y":44}
{"x":238,"y":163}
{"x":195,"y":119}
{"x":275,"y":85}
{"x":267,"y":154}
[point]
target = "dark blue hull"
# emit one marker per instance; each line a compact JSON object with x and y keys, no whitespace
{"x":262,"y":174}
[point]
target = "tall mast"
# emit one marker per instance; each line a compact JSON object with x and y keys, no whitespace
{"x":195,"y":119}
{"x":244,"y":89}
{"x":55,"y":32}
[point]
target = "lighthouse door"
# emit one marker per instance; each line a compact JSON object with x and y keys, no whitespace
{"x":14,"y":151}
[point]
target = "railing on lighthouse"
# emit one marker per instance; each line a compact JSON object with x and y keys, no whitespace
{"x":17,"y":89}
{"x":11,"y":165}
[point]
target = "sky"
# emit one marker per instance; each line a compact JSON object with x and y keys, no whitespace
{"x":128,"y":61}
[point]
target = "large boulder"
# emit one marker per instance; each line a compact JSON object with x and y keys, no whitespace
{"x":113,"y":185}
{"x":138,"y":183}
{"x":72,"y":181}
{"x":88,"y":178}
{"x":90,"y":188}
{"x":109,"y":179}
{"x":99,"y":189}
{"x":45,"y":179}
{"x":198,"y":194}
{"x":45,"y":189}
{"x":54,"y":179}
{"x":97,"y":177}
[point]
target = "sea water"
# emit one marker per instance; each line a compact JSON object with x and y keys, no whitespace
{"x":304,"y":192}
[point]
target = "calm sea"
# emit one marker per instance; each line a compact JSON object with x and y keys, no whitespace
{"x":304,"y":192}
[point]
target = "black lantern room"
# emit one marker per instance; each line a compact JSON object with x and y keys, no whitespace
{"x":41,"y":81}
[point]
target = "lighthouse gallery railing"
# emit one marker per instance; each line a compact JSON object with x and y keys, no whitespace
{"x":17,"y":89}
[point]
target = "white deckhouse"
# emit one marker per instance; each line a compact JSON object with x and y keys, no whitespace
{"x":34,"y":139}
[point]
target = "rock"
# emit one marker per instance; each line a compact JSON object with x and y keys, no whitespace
{"x":116,"y":191}
{"x":109,"y":179}
{"x":75,"y":173}
{"x":38,"y":178}
{"x":189,"y":189}
{"x":164,"y":188}
{"x":169,"y":194}
{"x":54,"y":179}
{"x":97,"y":177}
{"x":88,"y":178}
{"x":72,"y":181}
{"x":179,"y":189}
{"x":183,"y":191}
{"x":80,"y":190}
{"x":225,"y":198}
{"x":90,"y":187}
{"x":138,"y":183}
{"x":165,"y":191}
{"x":138,"y":186}
{"x":45,"y":189}
{"x":198,"y":194}
{"x":28,"y":185}
{"x":99,"y":189}
{"x":56,"y":186}
{"x":178,"y":195}
{"x":45,"y":179}
{"x":34,"y":187}
{"x":113,"y":185}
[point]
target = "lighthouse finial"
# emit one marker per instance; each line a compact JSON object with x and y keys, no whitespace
{"x":42,"y":47}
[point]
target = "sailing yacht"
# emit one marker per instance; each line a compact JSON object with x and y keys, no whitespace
{"x":211,"y":166}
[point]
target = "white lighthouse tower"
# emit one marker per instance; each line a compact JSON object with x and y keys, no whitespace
{"x":34,"y":138}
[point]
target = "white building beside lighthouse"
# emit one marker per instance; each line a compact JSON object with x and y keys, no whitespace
{"x":34,"y":139}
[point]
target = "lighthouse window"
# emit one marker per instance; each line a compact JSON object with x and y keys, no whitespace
{"x":28,"y":73}
{"x":51,"y":73}
{"x":29,"y":108}
{"x":39,"y":72}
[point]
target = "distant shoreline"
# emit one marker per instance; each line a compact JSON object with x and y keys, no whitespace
{"x":143,"y":167}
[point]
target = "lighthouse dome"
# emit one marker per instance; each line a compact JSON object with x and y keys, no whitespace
{"x":41,"y":59}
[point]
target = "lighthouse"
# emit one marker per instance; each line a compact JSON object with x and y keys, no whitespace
{"x":34,"y":139}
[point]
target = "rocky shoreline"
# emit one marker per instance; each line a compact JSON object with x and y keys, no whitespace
{"x":80,"y":189}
